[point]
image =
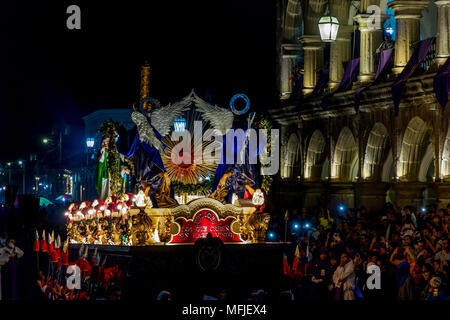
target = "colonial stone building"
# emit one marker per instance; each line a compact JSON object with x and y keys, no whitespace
{"x":366,"y":157}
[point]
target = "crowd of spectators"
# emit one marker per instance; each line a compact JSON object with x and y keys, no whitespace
{"x":407,"y":247}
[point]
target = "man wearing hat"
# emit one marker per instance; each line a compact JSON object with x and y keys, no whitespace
{"x":321,"y":273}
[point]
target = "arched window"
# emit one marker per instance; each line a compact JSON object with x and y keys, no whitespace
{"x":292,"y":156}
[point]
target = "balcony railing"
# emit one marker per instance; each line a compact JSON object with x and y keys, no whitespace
{"x":429,"y":60}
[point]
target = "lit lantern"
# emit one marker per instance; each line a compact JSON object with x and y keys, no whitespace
{"x":258,"y":198}
{"x":328,"y":27}
{"x":90,"y":142}
{"x":179,"y":125}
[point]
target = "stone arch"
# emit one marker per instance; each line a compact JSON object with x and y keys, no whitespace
{"x":292,"y":156}
{"x":445,"y":166}
{"x":314,"y":156}
{"x":416,"y":139}
{"x":375,"y":152}
{"x":312,"y":11}
{"x":345,"y":155}
{"x":387,"y":174}
{"x":426,"y":170}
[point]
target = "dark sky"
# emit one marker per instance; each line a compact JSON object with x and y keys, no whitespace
{"x":50,"y":74}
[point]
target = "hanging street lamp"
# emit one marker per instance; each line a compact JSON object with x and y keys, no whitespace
{"x":328,"y":27}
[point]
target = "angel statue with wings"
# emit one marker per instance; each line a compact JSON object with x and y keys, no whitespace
{"x":143,"y":142}
{"x":238,"y":177}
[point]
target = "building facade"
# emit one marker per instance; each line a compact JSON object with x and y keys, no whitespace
{"x":374,"y":154}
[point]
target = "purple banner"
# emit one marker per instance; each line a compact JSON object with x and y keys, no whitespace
{"x":416,"y":59}
{"x":442,"y":84}
{"x":385,"y":58}
{"x":321,"y":82}
{"x":347,"y":80}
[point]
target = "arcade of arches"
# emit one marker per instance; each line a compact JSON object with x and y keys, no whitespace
{"x":365,"y":157}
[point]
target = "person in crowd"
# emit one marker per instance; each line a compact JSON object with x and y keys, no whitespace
{"x":435,"y":290}
{"x":325,"y":219}
{"x":344,"y":279}
{"x":4,"y":258}
{"x":14,"y":253}
{"x":443,"y":255}
{"x":321,"y":273}
{"x":409,"y":245}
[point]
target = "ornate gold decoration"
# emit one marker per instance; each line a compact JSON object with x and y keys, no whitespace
{"x":223,"y":211}
{"x":222,"y":190}
{"x":163,"y":197}
{"x":188,"y":173}
{"x":142,"y":229}
{"x":257,"y":224}
{"x":145,"y":85}
{"x":146,"y":226}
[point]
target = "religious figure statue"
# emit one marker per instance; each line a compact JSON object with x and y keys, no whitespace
{"x":243,"y":174}
{"x":222,"y":188}
{"x":143,"y":142}
{"x":103,"y":178}
{"x":164,"y":197}
{"x":142,"y":229}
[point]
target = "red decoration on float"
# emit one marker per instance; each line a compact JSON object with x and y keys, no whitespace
{"x":205,"y":221}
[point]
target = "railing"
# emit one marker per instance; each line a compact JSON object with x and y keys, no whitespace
{"x":377,"y":62}
{"x":429,"y":60}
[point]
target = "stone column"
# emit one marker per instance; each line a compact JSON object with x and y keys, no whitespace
{"x":313,"y":61}
{"x":407,"y":14}
{"x":443,"y":32}
{"x":438,"y":136}
{"x":340,"y":52}
{"x":371,"y":39}
{"x":288,"y":61}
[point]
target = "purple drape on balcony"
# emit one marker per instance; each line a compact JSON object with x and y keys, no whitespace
{"x":419,"y":54}
{"x":442,"y":84}
{"x":321,"y":82}
{"x":385,"y":58}
{"x":347,"y":80}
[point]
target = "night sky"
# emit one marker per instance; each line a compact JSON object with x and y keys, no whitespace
{"x":51,"y":75}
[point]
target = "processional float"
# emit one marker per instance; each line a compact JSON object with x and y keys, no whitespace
{"x":180,"y":198}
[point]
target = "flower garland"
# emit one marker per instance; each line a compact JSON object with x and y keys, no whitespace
{"x":199,"y":188}
{"x":262,"y":123}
